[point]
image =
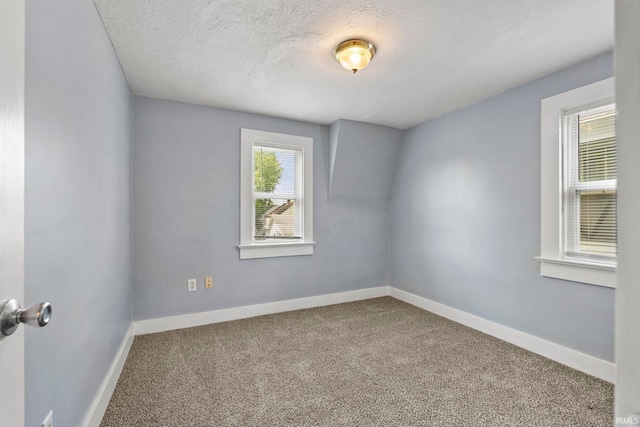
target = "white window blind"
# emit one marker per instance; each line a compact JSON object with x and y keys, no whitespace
{"x":589,"y":182}
{"x":277,"y":193}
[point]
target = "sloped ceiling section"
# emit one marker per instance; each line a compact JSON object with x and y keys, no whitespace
{"x":276,"y":57}
{"x":362,"y":160}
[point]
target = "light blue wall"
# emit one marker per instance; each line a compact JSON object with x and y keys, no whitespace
{"x":77,"y":232}
{"x":465,"y":218}
{"x":186,"y":182}
{"x":362,"y":161}
{"x":464,"y":213}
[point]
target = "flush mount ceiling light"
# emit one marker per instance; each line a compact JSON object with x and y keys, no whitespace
{"x":354,"y":54}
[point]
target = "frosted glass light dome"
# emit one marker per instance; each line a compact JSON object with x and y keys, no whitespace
{"x":354,"y":54}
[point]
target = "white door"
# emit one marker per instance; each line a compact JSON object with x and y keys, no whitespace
{"x":12,"y":60}
{"x":627,"y":66}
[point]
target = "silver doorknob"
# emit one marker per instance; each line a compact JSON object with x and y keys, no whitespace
{"x":11,"y":315}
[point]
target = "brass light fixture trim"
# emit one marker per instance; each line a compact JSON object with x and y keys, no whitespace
{"x":354,"y":54}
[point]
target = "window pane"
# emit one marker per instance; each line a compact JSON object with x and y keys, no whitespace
{"x":274,"y":170}
{"x":597,"y":146}
{"x":267,"y":170}
{"x":287,"y":183}
{"x":598,"y":225}
{"x":589,"y":182}
{"x":276,"y":219}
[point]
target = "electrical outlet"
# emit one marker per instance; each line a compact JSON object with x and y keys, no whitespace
{"x":191,"y":285}
{"x":48,"y":421}
{"x":208,"y":282}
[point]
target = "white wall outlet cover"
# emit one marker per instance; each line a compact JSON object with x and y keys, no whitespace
{"x":48,"y":421}
{"x":191,"y":285}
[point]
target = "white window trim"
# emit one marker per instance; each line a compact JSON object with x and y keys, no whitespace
{"x":552,"y":261}
{"x":248,"y":247}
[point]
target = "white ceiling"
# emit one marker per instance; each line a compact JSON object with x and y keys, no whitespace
{"x":275,"y":57}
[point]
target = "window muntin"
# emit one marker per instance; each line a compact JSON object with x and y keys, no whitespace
{"x":589,"y":181}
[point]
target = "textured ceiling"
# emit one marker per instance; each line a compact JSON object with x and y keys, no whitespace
{"x":275,"y":57}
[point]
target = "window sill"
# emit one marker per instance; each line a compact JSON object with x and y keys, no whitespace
{"x":592,"y":273}
{"x":272,"y":250}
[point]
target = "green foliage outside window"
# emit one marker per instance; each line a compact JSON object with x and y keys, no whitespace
{"x":267,"y":173}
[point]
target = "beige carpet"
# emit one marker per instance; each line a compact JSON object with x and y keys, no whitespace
{"x":379,"y":362}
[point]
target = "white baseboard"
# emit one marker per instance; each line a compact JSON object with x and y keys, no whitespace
{"x":583,"y":362}
{"x":574,"y":359}
{"x":141,"y":327}
{"x":100,"y":403}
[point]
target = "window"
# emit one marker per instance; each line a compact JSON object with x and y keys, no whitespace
{"x":579,"y":171}
{"x":276,"y":200}
{"x":589,"y":184}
